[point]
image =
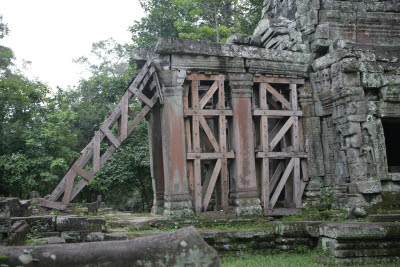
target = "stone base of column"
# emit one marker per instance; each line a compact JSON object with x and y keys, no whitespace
{"x":246,"y":203}
{"x":178,"y":206}
{"x":158,"y":205}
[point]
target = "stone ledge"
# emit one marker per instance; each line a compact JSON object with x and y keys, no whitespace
{"x":39,"y":223}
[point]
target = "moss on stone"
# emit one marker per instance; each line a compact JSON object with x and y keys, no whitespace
{"x":390,"y":204}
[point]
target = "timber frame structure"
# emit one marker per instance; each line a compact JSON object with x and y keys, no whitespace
{"x":223,"y":140}
{"x":146,"y":88}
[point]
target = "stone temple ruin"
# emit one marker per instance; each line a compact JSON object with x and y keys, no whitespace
{"x":264,"y":123}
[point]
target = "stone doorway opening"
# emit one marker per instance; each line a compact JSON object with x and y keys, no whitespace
{"x":391,"y":129}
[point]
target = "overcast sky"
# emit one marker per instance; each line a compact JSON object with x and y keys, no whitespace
{"x":51,"y":33}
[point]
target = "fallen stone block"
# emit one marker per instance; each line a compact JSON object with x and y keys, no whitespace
{"x":115,"y":236}
{"x":72,"y":223}
{"x":95,"y":237}
{"x":352,"y":230}
{"x":19,"y":231}
{"x":5,"y":226}
{"x":384,"y":218}
{"x":297,"y":229}
{"x":45,"y":241}
{"x":96,"y":225}
{"x":4,"y":210}
{"x":5,"y":229}
{"x":48,"y":234}
{"x":184,"y":247}
{"x":75,"y":236}
{"x":18,"y":208}
{"x":39,"y":224}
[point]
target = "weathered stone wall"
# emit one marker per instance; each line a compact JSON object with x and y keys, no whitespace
{"x":355,"y":82}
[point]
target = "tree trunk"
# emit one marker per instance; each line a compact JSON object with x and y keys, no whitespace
{"x":184,"y":247}
{"x":216,"y":24}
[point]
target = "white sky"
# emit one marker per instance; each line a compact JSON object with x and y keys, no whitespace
{"x":51,"y":33}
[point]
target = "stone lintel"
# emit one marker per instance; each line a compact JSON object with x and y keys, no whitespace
{"x":194,"y":47}
{"x":207,"y":63}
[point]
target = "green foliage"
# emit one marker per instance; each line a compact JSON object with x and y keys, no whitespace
{"x":127,"y":172}
{"x":390,"y":204}
{"x":325,"y":198}
{"x":307,"y":259}
{"x":34,"y":148}
{"x":207,"y":20}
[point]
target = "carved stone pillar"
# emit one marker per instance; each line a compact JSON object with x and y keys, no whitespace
{"x":156,"y":159}
{"x":243,"y":192}
{"x":177,"y":201}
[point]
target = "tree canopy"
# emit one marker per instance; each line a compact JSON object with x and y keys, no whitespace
{"x":207,"y":20}
{"x":42,"y":131}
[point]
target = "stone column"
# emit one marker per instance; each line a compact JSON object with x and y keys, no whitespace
{"x":156,"y":158}
{"x":177,"y":201}
{"x":243,"y":192}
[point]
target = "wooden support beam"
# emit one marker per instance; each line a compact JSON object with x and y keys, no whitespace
{"x":96,"y":152}
{"x":110,"y":137}
{"x":275,"y":177}
{"x":264,"y":138}
{"x":209,"y":156}
{"x":211,"y":185}
{"x":207,"y":178}
{"x":277,"y":114}
{"x":281,"y":133}
{"x":281,"y":155}
{"x":278,"y":96}
{"x":124,"y":118}
{"x":303,"y":162}
{"x":204,"y":77}
{"x":197,"y":186}
{"x":69,"y":186}
{"x":296,"y":183}
{"x":209,"y":133}
{"x":208,"y":112}
{"x":85,"y":175}
{"x":51,"y":204}
{"x":209,"y":94}
{"x":282,"y":182}
{"x":190,"y":170}
{"x":141,"y":96}
{"x":224,"y":179}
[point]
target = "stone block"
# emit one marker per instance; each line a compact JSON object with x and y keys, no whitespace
{"x":352,"y":230}
{"x":39,"y":223}
{"x":19,"y":229}
{"x":55,"y":240}
{"x":95,"y":237}
{"x":72,"y":223}
{"x":96,"y":225}
{"x":115,"y":236}
{"x":5,"y":226}
{"x":17,"y":208}
{"x":4,"y":210}
{"x":365,"y":187}
{"x":45,"y":241}
{"x":296,"y":229}
{"x":75,"y":236}
{"x":48,"y":234}
{"x":384,"y":217}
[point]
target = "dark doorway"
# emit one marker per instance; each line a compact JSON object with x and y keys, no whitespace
{"x":391,"y":129}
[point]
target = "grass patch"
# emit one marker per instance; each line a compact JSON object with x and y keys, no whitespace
{"x":283,"y":260}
